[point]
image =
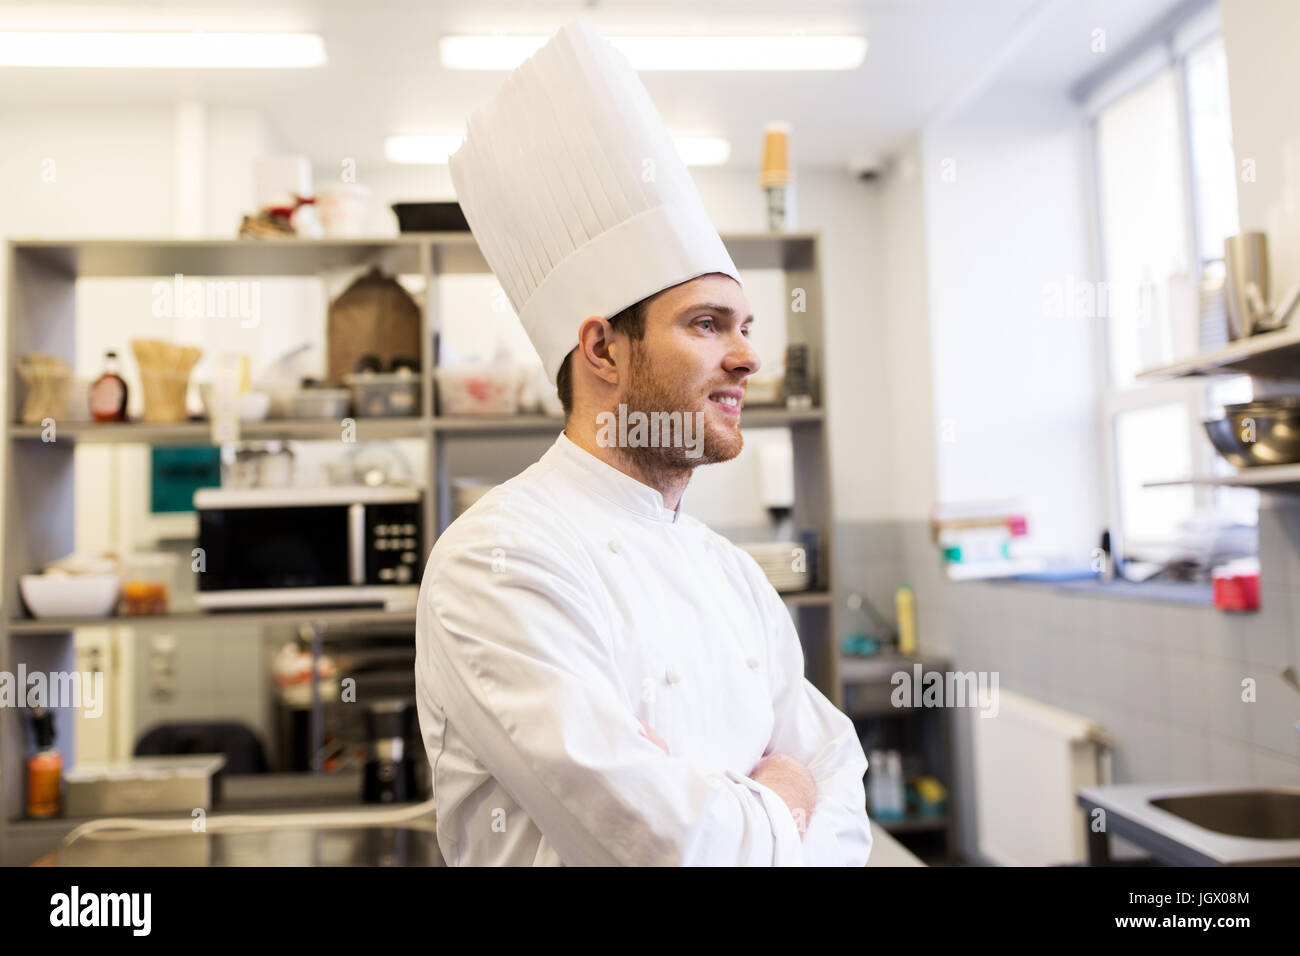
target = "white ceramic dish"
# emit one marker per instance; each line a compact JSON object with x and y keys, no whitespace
{"x":253,"y":406}
{"x":70,"y":595}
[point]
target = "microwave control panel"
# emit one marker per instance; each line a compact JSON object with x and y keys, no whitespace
{"x":395,"y":547}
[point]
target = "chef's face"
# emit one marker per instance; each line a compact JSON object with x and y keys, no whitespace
{"x":695,"y":357}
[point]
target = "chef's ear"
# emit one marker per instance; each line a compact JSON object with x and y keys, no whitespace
{"x":595,"y":341}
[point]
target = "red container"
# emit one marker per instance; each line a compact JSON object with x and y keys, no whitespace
{"x":1236,"y":592}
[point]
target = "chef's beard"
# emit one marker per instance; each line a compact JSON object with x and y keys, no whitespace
{"x":652,"y":389}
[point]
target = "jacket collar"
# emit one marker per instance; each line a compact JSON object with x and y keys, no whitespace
{"x":610,"y":483}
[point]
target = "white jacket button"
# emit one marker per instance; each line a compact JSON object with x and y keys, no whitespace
{"x":671,"y":675}
{"x":614,"y":545}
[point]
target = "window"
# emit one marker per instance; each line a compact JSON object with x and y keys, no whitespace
{"x":1141,"y":192}
{"x":1166,"y":200}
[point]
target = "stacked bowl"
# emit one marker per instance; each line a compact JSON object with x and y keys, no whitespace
{"x":1265,"y":431}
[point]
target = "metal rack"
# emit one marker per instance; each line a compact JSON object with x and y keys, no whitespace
{"x":38,"y":475}
{"x":923,"y":735}
{"x":1266,"y":355}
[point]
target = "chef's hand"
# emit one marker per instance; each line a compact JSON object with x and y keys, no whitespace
{"x":792,"y":783}
{"x":653,"y":737}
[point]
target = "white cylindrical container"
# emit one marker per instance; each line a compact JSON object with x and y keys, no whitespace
{"x":343,"y":209}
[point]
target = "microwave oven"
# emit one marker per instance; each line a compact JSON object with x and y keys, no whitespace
{"x":309,"y":547}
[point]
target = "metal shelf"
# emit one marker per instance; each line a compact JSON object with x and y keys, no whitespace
{"x":333,"y":617}
{"x":922,"y":733}
{"x":497,"y":424}
{"x":200,"y":432}
{"x":1269,"y":355}
{"x":1272,"y":477}
{"x":42,"y":316}
{"x":758,"y":417}
{"x":914,"y":823}
{"x":806,"y":598}
{"x":457,"y":253}
{"x":220,"y":257}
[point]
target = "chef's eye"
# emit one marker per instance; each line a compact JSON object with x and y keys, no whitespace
{"x":744,"y":330}
{"x":706,"y":321}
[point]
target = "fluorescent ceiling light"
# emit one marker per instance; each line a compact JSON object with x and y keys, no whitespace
{"x":436,"y":149}
{"x":702,"y":150}
{"x":195,"y":50}
{"x":788,"y":52}
{"x":421,"y":149}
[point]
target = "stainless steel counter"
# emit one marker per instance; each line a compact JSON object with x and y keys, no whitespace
{"x":411,"y":844}
{"x":1131,"y":814}
{"x":313,"y":807}
{"x":406,"y":845}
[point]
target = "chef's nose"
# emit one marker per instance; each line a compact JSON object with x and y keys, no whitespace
{"x":741,"y":358}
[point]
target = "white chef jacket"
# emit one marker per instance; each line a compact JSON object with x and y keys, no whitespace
{"x":564,"y":605}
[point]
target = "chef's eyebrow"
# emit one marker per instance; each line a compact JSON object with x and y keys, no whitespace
{"x":726,"y":310}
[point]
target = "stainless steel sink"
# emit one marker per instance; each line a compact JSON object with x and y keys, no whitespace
{"x":1197,"y":824}
{"x":1260,"y":814}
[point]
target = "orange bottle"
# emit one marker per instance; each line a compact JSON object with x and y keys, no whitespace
{"x":44,"y":769}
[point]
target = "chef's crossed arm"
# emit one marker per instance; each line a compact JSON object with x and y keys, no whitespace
{"x":517,"y":659}
{"x":815,"y":732}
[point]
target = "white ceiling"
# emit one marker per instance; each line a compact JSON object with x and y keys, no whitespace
{"x":383,"y":75}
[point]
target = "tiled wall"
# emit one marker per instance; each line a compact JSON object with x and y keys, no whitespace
{"x":1165,"y":680}
{"x":221,"y":673}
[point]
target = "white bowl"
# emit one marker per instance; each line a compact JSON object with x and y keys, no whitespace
{"x":253,"y":406}
{"x":70,"y":595}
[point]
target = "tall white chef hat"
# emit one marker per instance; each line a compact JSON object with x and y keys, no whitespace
{"x":576,"y":195}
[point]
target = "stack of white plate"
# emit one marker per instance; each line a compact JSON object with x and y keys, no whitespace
{"x":779,"y":559}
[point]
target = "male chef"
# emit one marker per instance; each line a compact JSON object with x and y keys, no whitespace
{"x":602,"y":680}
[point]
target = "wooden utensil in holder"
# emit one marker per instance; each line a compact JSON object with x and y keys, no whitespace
{"x":165,"y":377}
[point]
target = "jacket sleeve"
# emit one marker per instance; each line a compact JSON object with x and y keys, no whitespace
{"x":516,"y":650}
{"x":815,"y":732}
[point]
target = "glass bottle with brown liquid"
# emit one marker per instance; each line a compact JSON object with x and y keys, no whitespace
{"x":108,"y":393}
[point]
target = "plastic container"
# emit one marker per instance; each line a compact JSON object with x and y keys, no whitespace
{"x":384,"y":394}
{"x":905,"y":611}
{"x":897,"y":790}
{"x":875,"y":777}
{"x":328,"y":403}
{"x":342,"y":209}
{"x":477,"y":390}
{"x":146,"y":583}
{"x":1236,"y":586}
{"x":885,"y":789}
{"x":257,"y":465}
{"x":430,"y":217}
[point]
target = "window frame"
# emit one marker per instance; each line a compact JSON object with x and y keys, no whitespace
{"x":1168,"y":49}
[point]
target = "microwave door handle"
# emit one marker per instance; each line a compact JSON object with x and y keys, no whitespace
{"x":357,"y":543}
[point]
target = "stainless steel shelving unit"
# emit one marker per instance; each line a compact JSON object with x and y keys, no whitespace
{"x":1269,"y":355}
{"x":1274,"y":355}
{"x":38,"y":475}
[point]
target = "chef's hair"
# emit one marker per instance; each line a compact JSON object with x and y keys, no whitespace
{"x":631,"y":321}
